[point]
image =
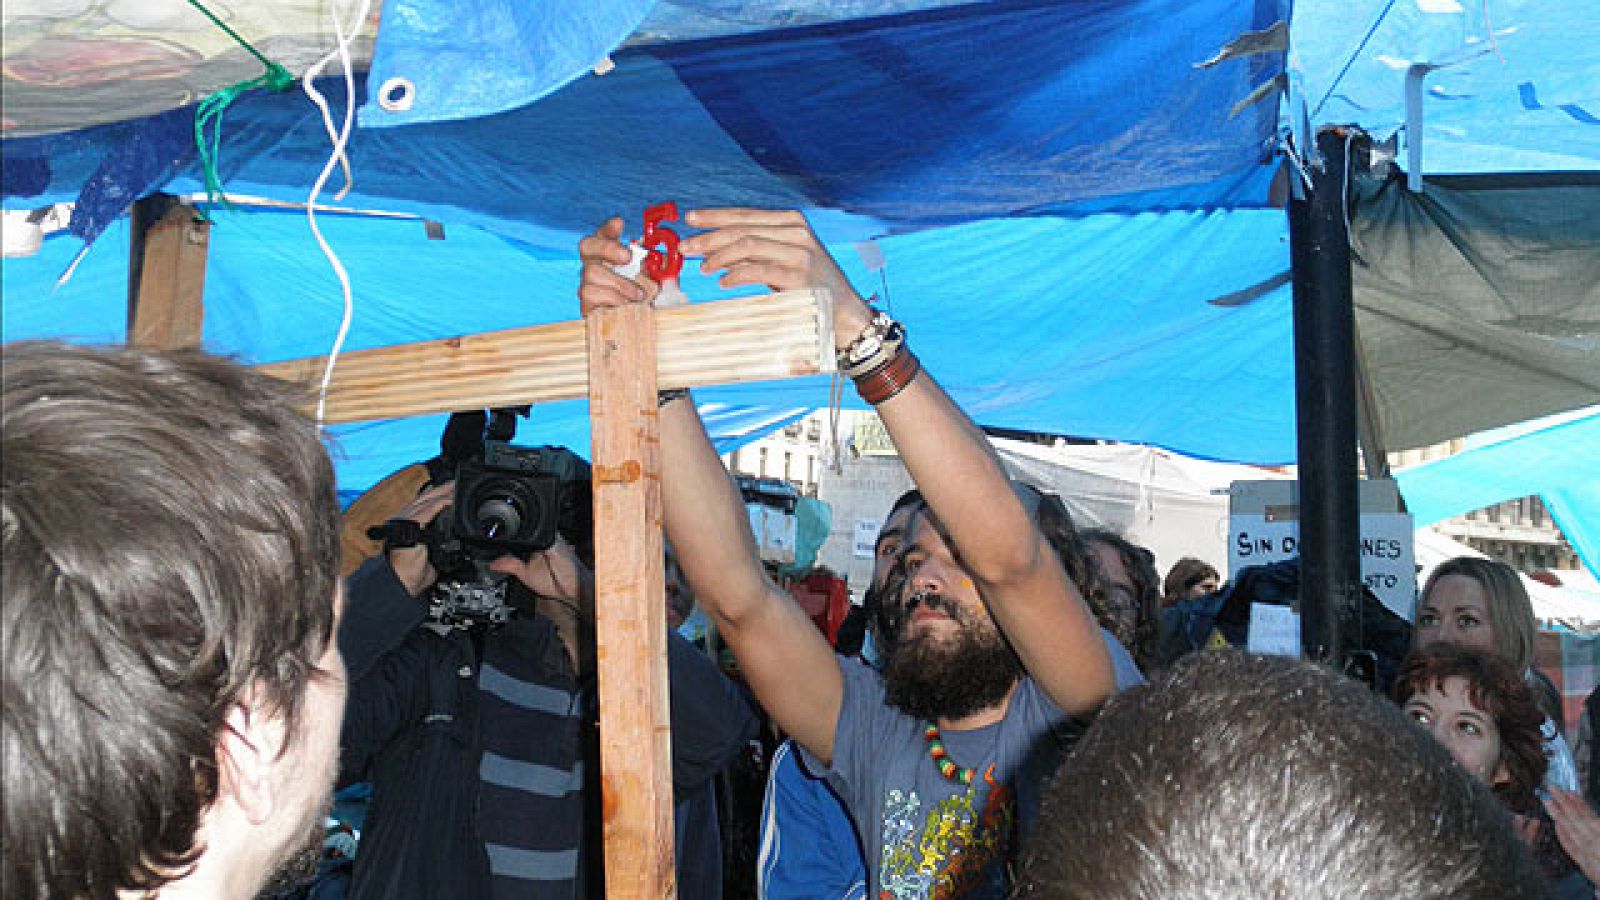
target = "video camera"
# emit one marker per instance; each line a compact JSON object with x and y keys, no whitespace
{"x":509,"y":500}
{"x":512,"y":500}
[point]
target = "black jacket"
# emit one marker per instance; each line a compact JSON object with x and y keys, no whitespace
{"x":413,"y":729}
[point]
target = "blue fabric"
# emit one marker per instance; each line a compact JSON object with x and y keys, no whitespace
{"x":1007,"y":127}
{"x":1525,"y":99}
{"x":1016,"y":341}
{"x":797,"y":118}
{"x":1560,"y":462}
{"x":147,"y":153}
{"x":1055,"y":221}
{"x":866,"y":123}
{"x":809,"y":847}
{"x":475,"y":59}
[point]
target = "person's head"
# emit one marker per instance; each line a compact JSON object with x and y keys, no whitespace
{"x":946,"y":656}
{"x":1189,"y":577}
{"x":1252,"y":777}
{"x":886,"y":549}
{"x":1480,"y":709}
{"x":1055,"y":523}
{"x":885,"y":556}
{"x":1132,"y":592}
{"x":1480,"y":603}
{"x":173,"y":693}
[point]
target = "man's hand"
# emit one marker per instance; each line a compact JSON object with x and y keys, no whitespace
{"x":556,"y":573}
{"x":1578,"y":829}
{"x":776,"y":248}
{"x":599,"y":285}
{"x":411,"y":564}
{"x":559,"y":575}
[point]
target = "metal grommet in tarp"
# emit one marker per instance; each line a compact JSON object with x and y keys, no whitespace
{"x":397,"y":94}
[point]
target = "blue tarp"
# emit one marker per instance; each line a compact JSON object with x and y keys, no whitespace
{"x":1054,"y":224}
{"x":1557,"y":459}
{"x":1059,"y":192}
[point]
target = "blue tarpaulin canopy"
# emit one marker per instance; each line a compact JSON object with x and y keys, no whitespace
{"x":1076,"y":219}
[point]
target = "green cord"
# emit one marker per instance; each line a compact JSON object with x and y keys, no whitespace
{"x":209,"y":112}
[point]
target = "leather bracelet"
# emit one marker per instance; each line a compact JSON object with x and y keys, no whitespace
{"x":889,"y":379}
{"x":665,"y":397}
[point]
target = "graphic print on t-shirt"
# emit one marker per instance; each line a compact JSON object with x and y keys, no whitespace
{"x":949,"y":850}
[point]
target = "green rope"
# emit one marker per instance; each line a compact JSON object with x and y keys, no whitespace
{"x":208,"y":114}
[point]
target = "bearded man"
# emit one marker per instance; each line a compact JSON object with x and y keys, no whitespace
{"x":937,"y":759}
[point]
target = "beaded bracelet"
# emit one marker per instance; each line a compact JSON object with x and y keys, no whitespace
{"x":889,"y":379}
{"x":868,"y":350}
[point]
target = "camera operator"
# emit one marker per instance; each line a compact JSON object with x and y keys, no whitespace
{"x":481,"y":741}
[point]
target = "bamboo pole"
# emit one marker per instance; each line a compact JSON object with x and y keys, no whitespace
{"x":630,"y":611}
{"x":763,"y":338}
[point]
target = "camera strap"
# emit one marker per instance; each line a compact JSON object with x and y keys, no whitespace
{"x":397,"y":533}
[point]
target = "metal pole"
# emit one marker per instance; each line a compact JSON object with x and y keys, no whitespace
{"x":1325,"y":404}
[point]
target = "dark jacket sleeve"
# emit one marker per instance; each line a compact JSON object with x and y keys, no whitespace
{"x":712,"y":718}
{"x":386,"y":658}
{"x":378,"y":614}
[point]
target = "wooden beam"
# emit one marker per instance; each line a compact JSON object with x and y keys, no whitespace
{"x":167,"y":280}
{"x":630,"y":605}
{"x":762,"y":338}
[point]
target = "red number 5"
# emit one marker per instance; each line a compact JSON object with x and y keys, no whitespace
{"x":666,"y":262}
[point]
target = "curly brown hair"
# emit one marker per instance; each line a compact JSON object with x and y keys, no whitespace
{"x":1496,"y":688}
{"x":1144,"y":638}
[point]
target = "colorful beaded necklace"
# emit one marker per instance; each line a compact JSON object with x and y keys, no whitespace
{"x":941,"y":758}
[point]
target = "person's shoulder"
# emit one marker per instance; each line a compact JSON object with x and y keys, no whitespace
{"x":859,"y":677}
{"x":1124,"y":669}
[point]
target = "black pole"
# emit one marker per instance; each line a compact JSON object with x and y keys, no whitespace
{"x":1325,"y":404}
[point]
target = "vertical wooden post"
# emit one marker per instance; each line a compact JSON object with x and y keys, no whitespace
{"x":167,"y":276}
{"x":630,"y":617}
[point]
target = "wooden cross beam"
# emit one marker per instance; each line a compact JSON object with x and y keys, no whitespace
{"x":630,"y":606}
{"x":761,"y":338}
{"x":618,"y":357}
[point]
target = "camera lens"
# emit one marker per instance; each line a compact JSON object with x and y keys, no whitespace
{"x":499,"y":517}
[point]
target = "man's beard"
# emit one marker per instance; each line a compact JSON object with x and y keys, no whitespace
{"x":949,"y":677}
{"x":300,"y":866}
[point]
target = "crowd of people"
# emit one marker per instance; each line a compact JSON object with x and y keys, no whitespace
{"x":187,"y":676}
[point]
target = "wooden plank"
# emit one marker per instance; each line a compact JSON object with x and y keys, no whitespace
{"x":630,"y":610}
{"x":167,"y":309}
{"x":763,"y":338}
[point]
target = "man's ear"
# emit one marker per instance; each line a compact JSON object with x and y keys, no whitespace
{"x":248,"y":750}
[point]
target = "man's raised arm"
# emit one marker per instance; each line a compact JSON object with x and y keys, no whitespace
{"x":949,"y":458}
{"x":782,"y":655}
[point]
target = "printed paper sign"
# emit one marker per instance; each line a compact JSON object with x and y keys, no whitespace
{"x":1274,"y":629}
{"x":1387,"y":561}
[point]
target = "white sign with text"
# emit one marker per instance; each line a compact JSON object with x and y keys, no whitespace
{"x":1387,"y":561}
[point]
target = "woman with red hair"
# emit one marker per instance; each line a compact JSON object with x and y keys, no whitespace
{"x":1479,"y":707}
